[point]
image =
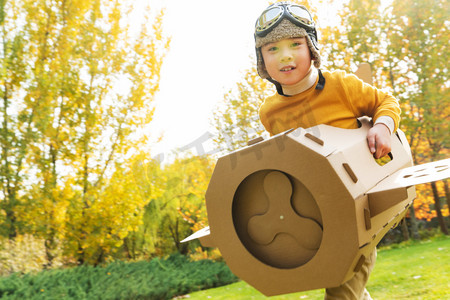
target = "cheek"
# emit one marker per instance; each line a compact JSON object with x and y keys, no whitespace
{"x":271,"y":67}
{"x":264,"y":58}
{"x":268,"y":61}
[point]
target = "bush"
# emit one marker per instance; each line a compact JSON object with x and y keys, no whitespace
{"x":157,"y":279}
{"x":25,"y":254}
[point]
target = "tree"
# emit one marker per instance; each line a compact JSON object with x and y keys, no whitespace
{"x":150,"y":180}
{"x":179,"y":208}
{"x":236,"y":119}
{"x":15,"y":130}
{"x":86,"y":93}
{"x":420,"y":38}
{"x":356,"y":40}
{"x":405,"y":42}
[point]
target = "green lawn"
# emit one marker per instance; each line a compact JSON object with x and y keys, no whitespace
{"x":417,"y":270}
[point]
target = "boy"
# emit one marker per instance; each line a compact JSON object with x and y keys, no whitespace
{"x":287,"y":55}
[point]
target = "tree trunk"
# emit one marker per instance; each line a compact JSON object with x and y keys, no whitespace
{"x":49,"y":244}
{"x":80,"y":258}
{"x":405,"y":231}
{"x":437,"y":207}
{"x":447,"y":193}
{"x":413,"y":220}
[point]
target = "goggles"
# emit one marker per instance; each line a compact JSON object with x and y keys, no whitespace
{"x":273,"y":15}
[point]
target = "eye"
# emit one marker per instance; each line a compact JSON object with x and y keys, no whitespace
{"x":270,"y":48}
{"x":298,"y":42}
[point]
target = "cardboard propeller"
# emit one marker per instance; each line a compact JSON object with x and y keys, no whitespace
{"x":303,"y":209}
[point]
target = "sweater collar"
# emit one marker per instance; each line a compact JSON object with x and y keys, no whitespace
{"x":303,"y":85}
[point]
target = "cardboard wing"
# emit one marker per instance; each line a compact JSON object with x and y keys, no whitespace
{"x":397,"y":182}
{"x":303,"y":209}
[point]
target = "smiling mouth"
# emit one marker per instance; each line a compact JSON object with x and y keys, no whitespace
{"x":287,"y":69}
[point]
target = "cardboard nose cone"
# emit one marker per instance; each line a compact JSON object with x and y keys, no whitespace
{"x":269,"y":226}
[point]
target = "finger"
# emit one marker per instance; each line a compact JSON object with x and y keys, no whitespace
{"x":379,"y":153}
{"x":382,"y":150}
{"x":372,"y":143}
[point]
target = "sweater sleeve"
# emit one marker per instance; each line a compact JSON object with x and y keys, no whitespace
{"x":367,"y":100}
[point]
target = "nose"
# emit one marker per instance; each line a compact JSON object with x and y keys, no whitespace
{"x":286,"y":56}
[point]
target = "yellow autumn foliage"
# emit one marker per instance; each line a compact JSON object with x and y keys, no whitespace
{"x":25,"y":254}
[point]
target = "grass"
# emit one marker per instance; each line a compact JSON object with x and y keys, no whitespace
{"x":412,"y":270}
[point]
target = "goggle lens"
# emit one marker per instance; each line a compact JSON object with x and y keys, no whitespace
{"x":300,"y":13}
{"x":269,"y":17}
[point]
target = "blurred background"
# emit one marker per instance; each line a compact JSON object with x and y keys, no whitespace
{"x":113,"y":113}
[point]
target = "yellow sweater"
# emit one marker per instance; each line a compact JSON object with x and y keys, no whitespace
{"x":344,"y":99}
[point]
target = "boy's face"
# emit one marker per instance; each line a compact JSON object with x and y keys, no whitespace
{"x":287,"y":61}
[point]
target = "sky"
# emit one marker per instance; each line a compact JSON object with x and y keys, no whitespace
{"x":212,"y":44}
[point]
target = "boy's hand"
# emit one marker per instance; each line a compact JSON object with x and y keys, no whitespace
{"x":379,"y":140}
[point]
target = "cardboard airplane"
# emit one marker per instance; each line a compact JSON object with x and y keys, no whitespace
{"x":303,"y":209}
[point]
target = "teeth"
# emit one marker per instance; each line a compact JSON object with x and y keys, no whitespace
{"x":287,"y":69}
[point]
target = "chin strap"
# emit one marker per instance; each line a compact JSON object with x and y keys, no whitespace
{"x":319,"y":86}
{"x":321,"y":83}
{"x":278,"y":86}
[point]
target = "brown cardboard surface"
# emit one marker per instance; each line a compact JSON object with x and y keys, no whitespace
{"x":300,"y":210}
{"x":262,"y":265}
{"x":415,"y":175}
{"x":364,"y":72}
{"x":344,"y":146}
